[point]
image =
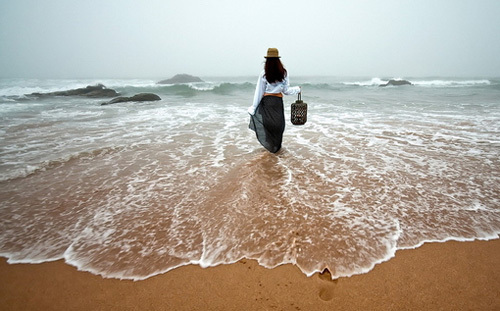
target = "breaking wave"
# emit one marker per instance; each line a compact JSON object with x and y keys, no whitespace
{"x":134,"y":190}
{"x":9,"y":93}
{"x":420,"y":82}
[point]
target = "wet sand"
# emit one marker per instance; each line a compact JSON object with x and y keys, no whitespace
{"x":436,"y":276}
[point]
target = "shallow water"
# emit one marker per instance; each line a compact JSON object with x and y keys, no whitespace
{"x":132,"y":190}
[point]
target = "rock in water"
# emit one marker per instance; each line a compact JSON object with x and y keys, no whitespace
{"x":181,"y":78}
{"x":142,"y":97}
{"x":396,"y":83}
{"x":94,"y":91}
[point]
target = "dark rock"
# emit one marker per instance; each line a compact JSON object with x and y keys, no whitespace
{"x":142,"y":97}
{"x":181,"y":78}
{"x":396,"y":83}
{"x":94,"y":91}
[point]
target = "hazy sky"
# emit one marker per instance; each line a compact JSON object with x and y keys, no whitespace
{"x":159,"y":38}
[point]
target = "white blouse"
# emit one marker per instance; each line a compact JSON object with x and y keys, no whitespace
{"x":272,"y":88}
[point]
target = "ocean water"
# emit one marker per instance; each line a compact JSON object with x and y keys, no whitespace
{"x":133,"y":190}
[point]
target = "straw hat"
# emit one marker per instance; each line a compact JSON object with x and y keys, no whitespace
{"x":272,"y":52}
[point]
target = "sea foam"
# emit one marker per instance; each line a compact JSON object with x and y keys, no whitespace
{"x":137,"y":189}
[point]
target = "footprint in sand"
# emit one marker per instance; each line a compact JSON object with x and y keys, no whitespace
{"x":326,"y":291}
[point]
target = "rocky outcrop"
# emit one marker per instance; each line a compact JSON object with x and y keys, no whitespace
{"x":142,"y":97}
{"x":396,"y":83}
{"x":94,"y":91}
{"x":181,"y":78}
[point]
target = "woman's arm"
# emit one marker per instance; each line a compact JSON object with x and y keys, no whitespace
{"x":288,"y":90}
{"x":259,"y":92}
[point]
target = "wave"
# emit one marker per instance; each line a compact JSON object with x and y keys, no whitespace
{"x":319,"y":203}
{"x":226,"y":88}
{"x":5,"y":99}
{"x":419,"y":82}
{"x":321,"y":86}
{"x":190,"y":89}
{"x":127,"y":88}
{"x":447,"y":83}
{"x":14,"y":90}
{"x":29,"y":170}
{"x":218,"y":88}
{"x":372,"y":82}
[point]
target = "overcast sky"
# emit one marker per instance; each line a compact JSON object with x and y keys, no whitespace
{"x":159,"y":38}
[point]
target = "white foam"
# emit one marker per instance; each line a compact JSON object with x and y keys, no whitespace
{"x":451,"y":83}
{"x":418,"y":82}
{"x":372,"y":82}
{"x":187,"y":183}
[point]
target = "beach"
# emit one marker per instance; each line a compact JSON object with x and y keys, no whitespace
{"x":132,"y":176}
{"x":436,"y":276}
{"x":175,"y":205}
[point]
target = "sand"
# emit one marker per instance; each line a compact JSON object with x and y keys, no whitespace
{"x":436,"y":276}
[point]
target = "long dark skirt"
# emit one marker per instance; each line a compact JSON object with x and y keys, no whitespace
{"x":268,"y":122}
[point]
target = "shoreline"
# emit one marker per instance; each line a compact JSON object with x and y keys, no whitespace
{"x":445,"y":276}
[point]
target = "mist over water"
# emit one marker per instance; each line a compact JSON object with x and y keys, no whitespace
{"x":132,"y":190}
{"x":157,"y":38}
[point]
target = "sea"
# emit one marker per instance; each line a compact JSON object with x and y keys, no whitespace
{"x":132,"y":190}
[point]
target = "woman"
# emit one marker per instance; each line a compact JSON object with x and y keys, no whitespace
{"x":267,"y":117}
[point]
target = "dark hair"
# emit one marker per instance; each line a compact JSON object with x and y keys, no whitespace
{"x":275,"y":72}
